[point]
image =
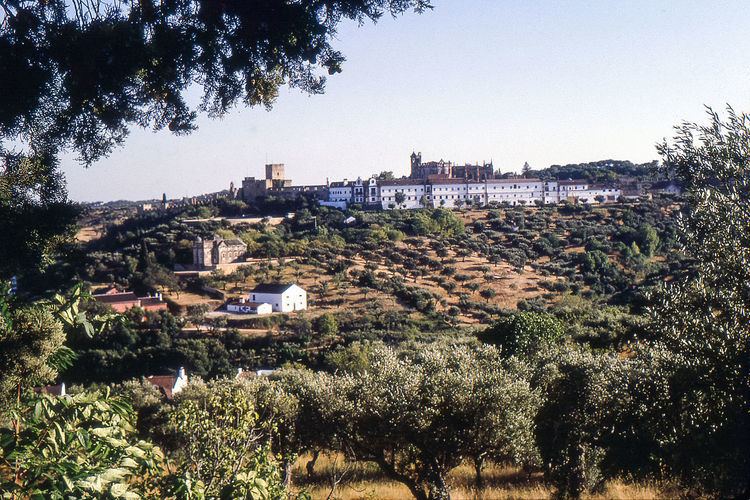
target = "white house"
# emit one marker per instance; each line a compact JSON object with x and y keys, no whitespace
{"x":170,"y":384}
{"x":282,"y":297}
{"x":242,"y":306}
{"x":666,"y":187}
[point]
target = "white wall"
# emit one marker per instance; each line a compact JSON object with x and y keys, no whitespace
{"x":341,"y":205}
{"x":181,"y":381}
{"x":512,"y":191}
{"x":263,"y":308}
{"x":412,"y":193}
{"x":293,"y":299}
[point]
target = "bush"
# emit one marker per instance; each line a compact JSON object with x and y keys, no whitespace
{"x":524,"y":333}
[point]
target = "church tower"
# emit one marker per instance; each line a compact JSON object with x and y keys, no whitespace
{"x":416,"y":165}
{"x":202,"y":253}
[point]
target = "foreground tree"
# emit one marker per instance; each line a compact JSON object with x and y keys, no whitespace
{"x":418,"y":416}
{"x":84,"y":446}
{"x":35,"y":216}
{"x":675,"y":406}
{"x":703,"y":322}
{"x":30,"y":337}
{"x":79,"y":74}
{"x":221,"y":445}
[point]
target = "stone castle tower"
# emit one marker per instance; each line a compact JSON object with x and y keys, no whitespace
{"x":275,"y":172}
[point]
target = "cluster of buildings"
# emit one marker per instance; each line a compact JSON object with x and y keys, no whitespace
{"x":122,"y":301}
{"x":276,"y":184}
{"x":438,"y":184}
{"x":430,"y":184}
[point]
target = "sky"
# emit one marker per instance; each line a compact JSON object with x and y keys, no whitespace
{"x":548,"y":82}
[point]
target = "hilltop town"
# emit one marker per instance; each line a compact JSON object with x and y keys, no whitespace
{"x":444,"y":184}
{"x":433,"y":329}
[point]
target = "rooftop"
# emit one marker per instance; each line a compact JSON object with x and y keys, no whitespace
{"x":272,"y":288}
{"x":111,"y":298}
{"x":234,"y":242}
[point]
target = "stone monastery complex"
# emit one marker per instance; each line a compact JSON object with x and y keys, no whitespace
{"x":432,"y":184}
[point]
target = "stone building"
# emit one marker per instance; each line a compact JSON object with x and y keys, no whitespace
{"x":210,"y":253}
{"x":276,"y":184}
{"x":448,"y":170}
{"x":122,"y":301}
{"x":253,"y":188}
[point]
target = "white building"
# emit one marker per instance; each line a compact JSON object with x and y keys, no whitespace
{"x":340,"y":192}
{"x":282,"y":297}
{"x":451,"y":193}
{"x":242,"y":306}
{"x":412,"y":190}
{"x":584,"y":192}
{"x":362,"y":192}
{"x":365,"y":192}
{"x":170,"y":384}
{"x":666,"y":187}
{"x":243,"y":374}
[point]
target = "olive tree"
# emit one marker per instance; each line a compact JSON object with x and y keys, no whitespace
{"x":419,"y":415}
{"x":703,"y":321}
{"x":278,"y":407}
{"x":524,"y":333}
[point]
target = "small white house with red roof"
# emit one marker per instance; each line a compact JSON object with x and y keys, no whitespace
{"x":169,"y":385}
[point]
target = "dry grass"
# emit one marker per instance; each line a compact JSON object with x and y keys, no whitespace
{"x":364,"y":481}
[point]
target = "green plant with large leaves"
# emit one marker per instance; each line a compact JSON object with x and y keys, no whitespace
{"x":82,"y":446}
{"x":69,"y":309}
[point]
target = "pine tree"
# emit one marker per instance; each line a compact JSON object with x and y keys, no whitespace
{"x":526,"y":169}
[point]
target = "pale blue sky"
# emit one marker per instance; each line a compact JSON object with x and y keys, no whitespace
{"x":539,"y":81}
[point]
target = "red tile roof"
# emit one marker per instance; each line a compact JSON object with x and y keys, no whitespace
{"x":164,"y":382}
{"x":54,"y":390}
{"x":109,"y":298}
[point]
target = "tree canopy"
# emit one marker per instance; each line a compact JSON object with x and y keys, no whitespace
{"x":80,"y":73}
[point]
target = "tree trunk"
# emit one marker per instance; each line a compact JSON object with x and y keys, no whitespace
{"x":415,"y":488}
{"x":286,"y":465}
{"x":437,"y":489}
{"x":478,"y":466}
{"x":310,"y":466}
